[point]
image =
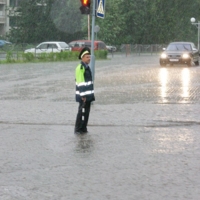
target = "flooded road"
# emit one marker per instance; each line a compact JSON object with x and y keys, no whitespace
{"x":143,"y":141}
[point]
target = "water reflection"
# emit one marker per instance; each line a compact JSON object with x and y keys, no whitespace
{"x":185,"y":83}
{"x":174,"y":141}
{"x":163,"y":76}
{"x":181,"y":80}
{"x":84,"y":143}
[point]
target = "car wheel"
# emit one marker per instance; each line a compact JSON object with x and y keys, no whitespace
{"x":196,"y":63}
{"x":162,"y":64}
{"x":189,"y":63}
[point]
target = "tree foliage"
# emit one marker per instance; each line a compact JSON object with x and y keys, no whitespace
{"x":42,"y":20}
{"x":135,"y":21}
{"x":156,"y":21}
{"x":32,"y":23}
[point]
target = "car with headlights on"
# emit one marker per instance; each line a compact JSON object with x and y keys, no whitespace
{"x":48,"y":47}
{"x":180,"y":53}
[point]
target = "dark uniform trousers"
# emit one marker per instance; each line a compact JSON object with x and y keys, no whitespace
{"x":82,"y":116}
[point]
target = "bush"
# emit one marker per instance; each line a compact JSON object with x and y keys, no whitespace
{"x":9,"y":57}
{"x":101,"y":54}
{"x":43,"y":56}
{"x":51,"y":56}
{"x":58,"y":56}
{"x":46,"y":57}
{"x":28,"y":57}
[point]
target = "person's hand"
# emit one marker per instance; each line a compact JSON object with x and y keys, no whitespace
{"x":83,"y":99}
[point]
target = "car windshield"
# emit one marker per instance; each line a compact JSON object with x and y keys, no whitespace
{"x":179,"y":47}
{"x":63,"y":45}
{"x":80,"y":44}
{"x":87,"y":44}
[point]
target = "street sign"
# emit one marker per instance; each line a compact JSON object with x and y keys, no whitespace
{"x":100,"y":8}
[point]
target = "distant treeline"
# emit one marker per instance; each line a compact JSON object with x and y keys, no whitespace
{"x":125,"y":22}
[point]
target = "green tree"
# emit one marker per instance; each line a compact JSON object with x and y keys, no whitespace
{"x":68,"y":19}
{"x":32,"y":22}
{"x":37,"y":20}
{"x":171,"y":24}
{"x":148,"y":22}
{"x":135,"y":21}
{"x":112,"y":25}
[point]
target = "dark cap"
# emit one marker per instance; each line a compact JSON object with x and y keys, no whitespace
{"x":84,"y":51}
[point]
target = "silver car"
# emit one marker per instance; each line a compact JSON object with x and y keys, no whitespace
{"x":48,"y":47}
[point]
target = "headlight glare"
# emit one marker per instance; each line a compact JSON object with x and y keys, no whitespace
{"x":185,"y":56}
{"x":163,"y":55}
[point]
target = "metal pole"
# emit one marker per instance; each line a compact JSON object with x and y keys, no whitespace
{"x":88,"y":27}
{"x":198,"y":26}
{"x":92,"y":61}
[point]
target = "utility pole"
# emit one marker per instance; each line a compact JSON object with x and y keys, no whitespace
{"x":100,"y":12}
{"x":92,"y":61}
{"x":88,"y":27}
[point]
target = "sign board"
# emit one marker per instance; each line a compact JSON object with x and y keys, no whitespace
{"x":100,"y":9}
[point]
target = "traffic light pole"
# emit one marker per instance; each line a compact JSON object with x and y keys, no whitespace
{"x":92,"y":61}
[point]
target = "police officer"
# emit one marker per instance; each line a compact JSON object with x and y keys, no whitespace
{"x":84,"y":91}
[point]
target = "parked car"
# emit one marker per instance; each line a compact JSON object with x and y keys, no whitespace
{"x":111,"y":48}
{"x":4,"y":43}
{"x":78,"y":45}
{"x":48,"y":47}
{"x":180,"y":53}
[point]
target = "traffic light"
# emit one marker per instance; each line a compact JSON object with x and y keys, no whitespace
{"x":85,"y":8}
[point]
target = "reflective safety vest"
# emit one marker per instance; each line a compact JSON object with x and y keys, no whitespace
{"x":84,"y":83}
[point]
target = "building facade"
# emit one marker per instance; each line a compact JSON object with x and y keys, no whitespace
{"x":3,"y":18}
{"x":6,"y":8}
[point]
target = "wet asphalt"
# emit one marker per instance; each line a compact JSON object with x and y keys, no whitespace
{"x":143,"y":141}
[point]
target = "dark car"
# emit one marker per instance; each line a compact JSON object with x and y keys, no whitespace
{"x":180,"y":53}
